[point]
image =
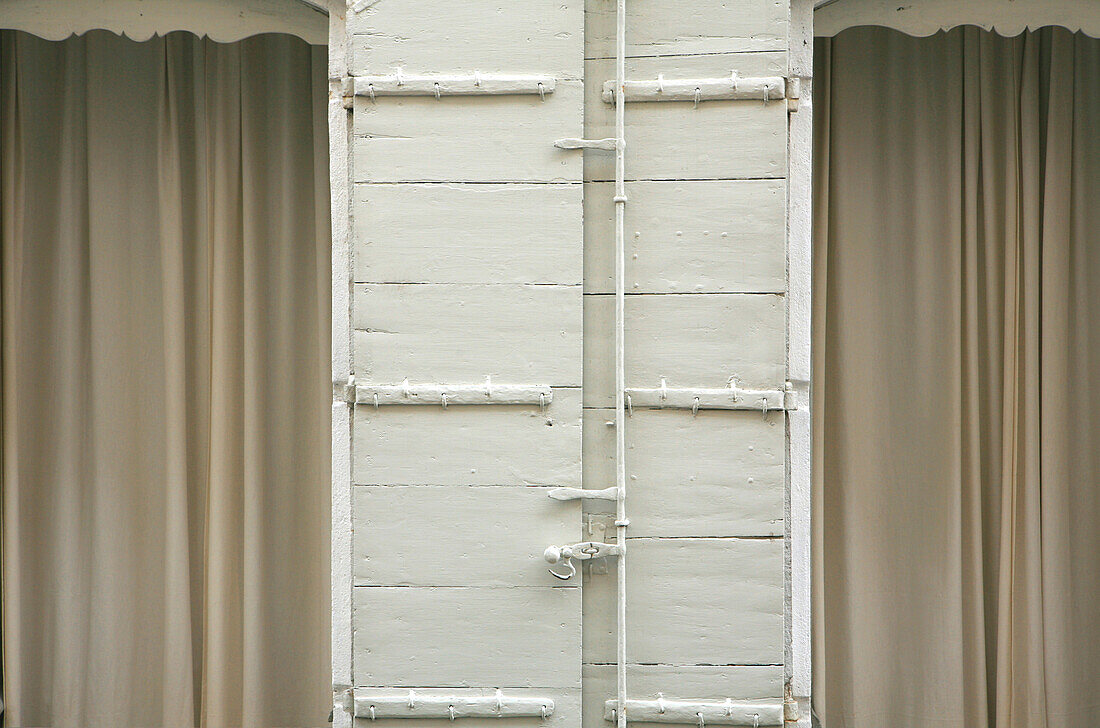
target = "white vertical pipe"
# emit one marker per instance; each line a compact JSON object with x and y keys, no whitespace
{"x":620,"y":359}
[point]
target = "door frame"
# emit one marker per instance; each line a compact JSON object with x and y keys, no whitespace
{"x":798,"y":525}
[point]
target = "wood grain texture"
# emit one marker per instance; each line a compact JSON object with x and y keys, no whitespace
{"x":490,"y":445}
{"x":460,"y":334}
{"x":467,"y":637}
{"x":567,"y":706}
{"x":692,"y":601}
{"x":674,"y":28}
{"x":468,"y":233}
{"x":502,"y":36}
{"x":468,"y":138}
{"x":689,"y":237}
{"x":458,"y":536}
{"x":675,"y":140}
{"x":691,"y":340}
{"x":715,"y":474}
{"x":689,"y":682}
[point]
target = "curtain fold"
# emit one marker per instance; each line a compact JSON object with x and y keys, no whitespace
{"x":957,"y":423}
{"x":164,"y":302}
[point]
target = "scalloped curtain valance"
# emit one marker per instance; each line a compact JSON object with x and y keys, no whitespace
{"x":926,"y":17}
{"x":223,"y":21}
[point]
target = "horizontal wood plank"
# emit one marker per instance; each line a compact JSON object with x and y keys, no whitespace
{"x":468,"y":233}
{"x":715,"y":474}
{"x":469,"y":445}
{"x":689,"y":237}
{"x":678,"y":141}
{"x":460,"y":334}
{"x":458,"y":536}
{"x":691,"y":340}
{"x":468,"y":138}
{"x":692,"y":601}
{"x":501,"y":36}
{"x":702,"y":26}
{"x":467,"y":637}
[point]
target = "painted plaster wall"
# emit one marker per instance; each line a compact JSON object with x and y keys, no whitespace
{"x":479,"y":249}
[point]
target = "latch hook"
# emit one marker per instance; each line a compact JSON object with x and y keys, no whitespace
{"x":553,"y":555}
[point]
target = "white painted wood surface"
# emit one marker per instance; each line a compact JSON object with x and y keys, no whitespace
{"x":716,"y":474}
{"x":470,"y":197}
{"x":469,"y":445}
{"x":470,"y":260}
{"x":690,"y":340}
{"x":693,"y":601}
{"x":716,"y":140}
{"x":678,"y":682}
{"x":467,"y":636}
{"x":925,"y":17}
{"x":339,"y":127}
{"x":468,"y":233}
{"x":567,"y":705}
{"x":797,"y":659}
{"x":425,"y":536}
{"x":689,"y":237}
{"x":224,"y":21}
{"x":680,"y":29}
{"x":468,"y":138}
{"x":500,"y":36}
{"x":464,"y":333}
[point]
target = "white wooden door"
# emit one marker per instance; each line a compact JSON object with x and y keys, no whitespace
{"x":482,"y":349}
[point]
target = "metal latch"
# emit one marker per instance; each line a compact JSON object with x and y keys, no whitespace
{"x":580,"y":551}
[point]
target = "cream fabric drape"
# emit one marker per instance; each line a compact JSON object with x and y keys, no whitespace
{"x":164,"y":240}
{"x":957,"y":328}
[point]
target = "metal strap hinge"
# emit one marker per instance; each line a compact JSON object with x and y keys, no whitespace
{"x":374,"y":704}
{"x":755,"y":713}
{"x":732,"y":397}
{"x":475,"y":84}
{"x":453,"y":394}
{"x":731,"y":88}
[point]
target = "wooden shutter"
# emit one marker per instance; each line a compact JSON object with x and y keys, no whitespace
{"x":483,"y":260}
{"x":705,"y":235}
{"x":467,"y":229}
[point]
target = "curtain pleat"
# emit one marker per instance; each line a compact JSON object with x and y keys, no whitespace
{"x":957,"y":183}
{"x":164,"y":303}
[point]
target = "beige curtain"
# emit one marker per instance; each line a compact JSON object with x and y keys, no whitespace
{"x":957,"y":380}
{"x":164,"y":240}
